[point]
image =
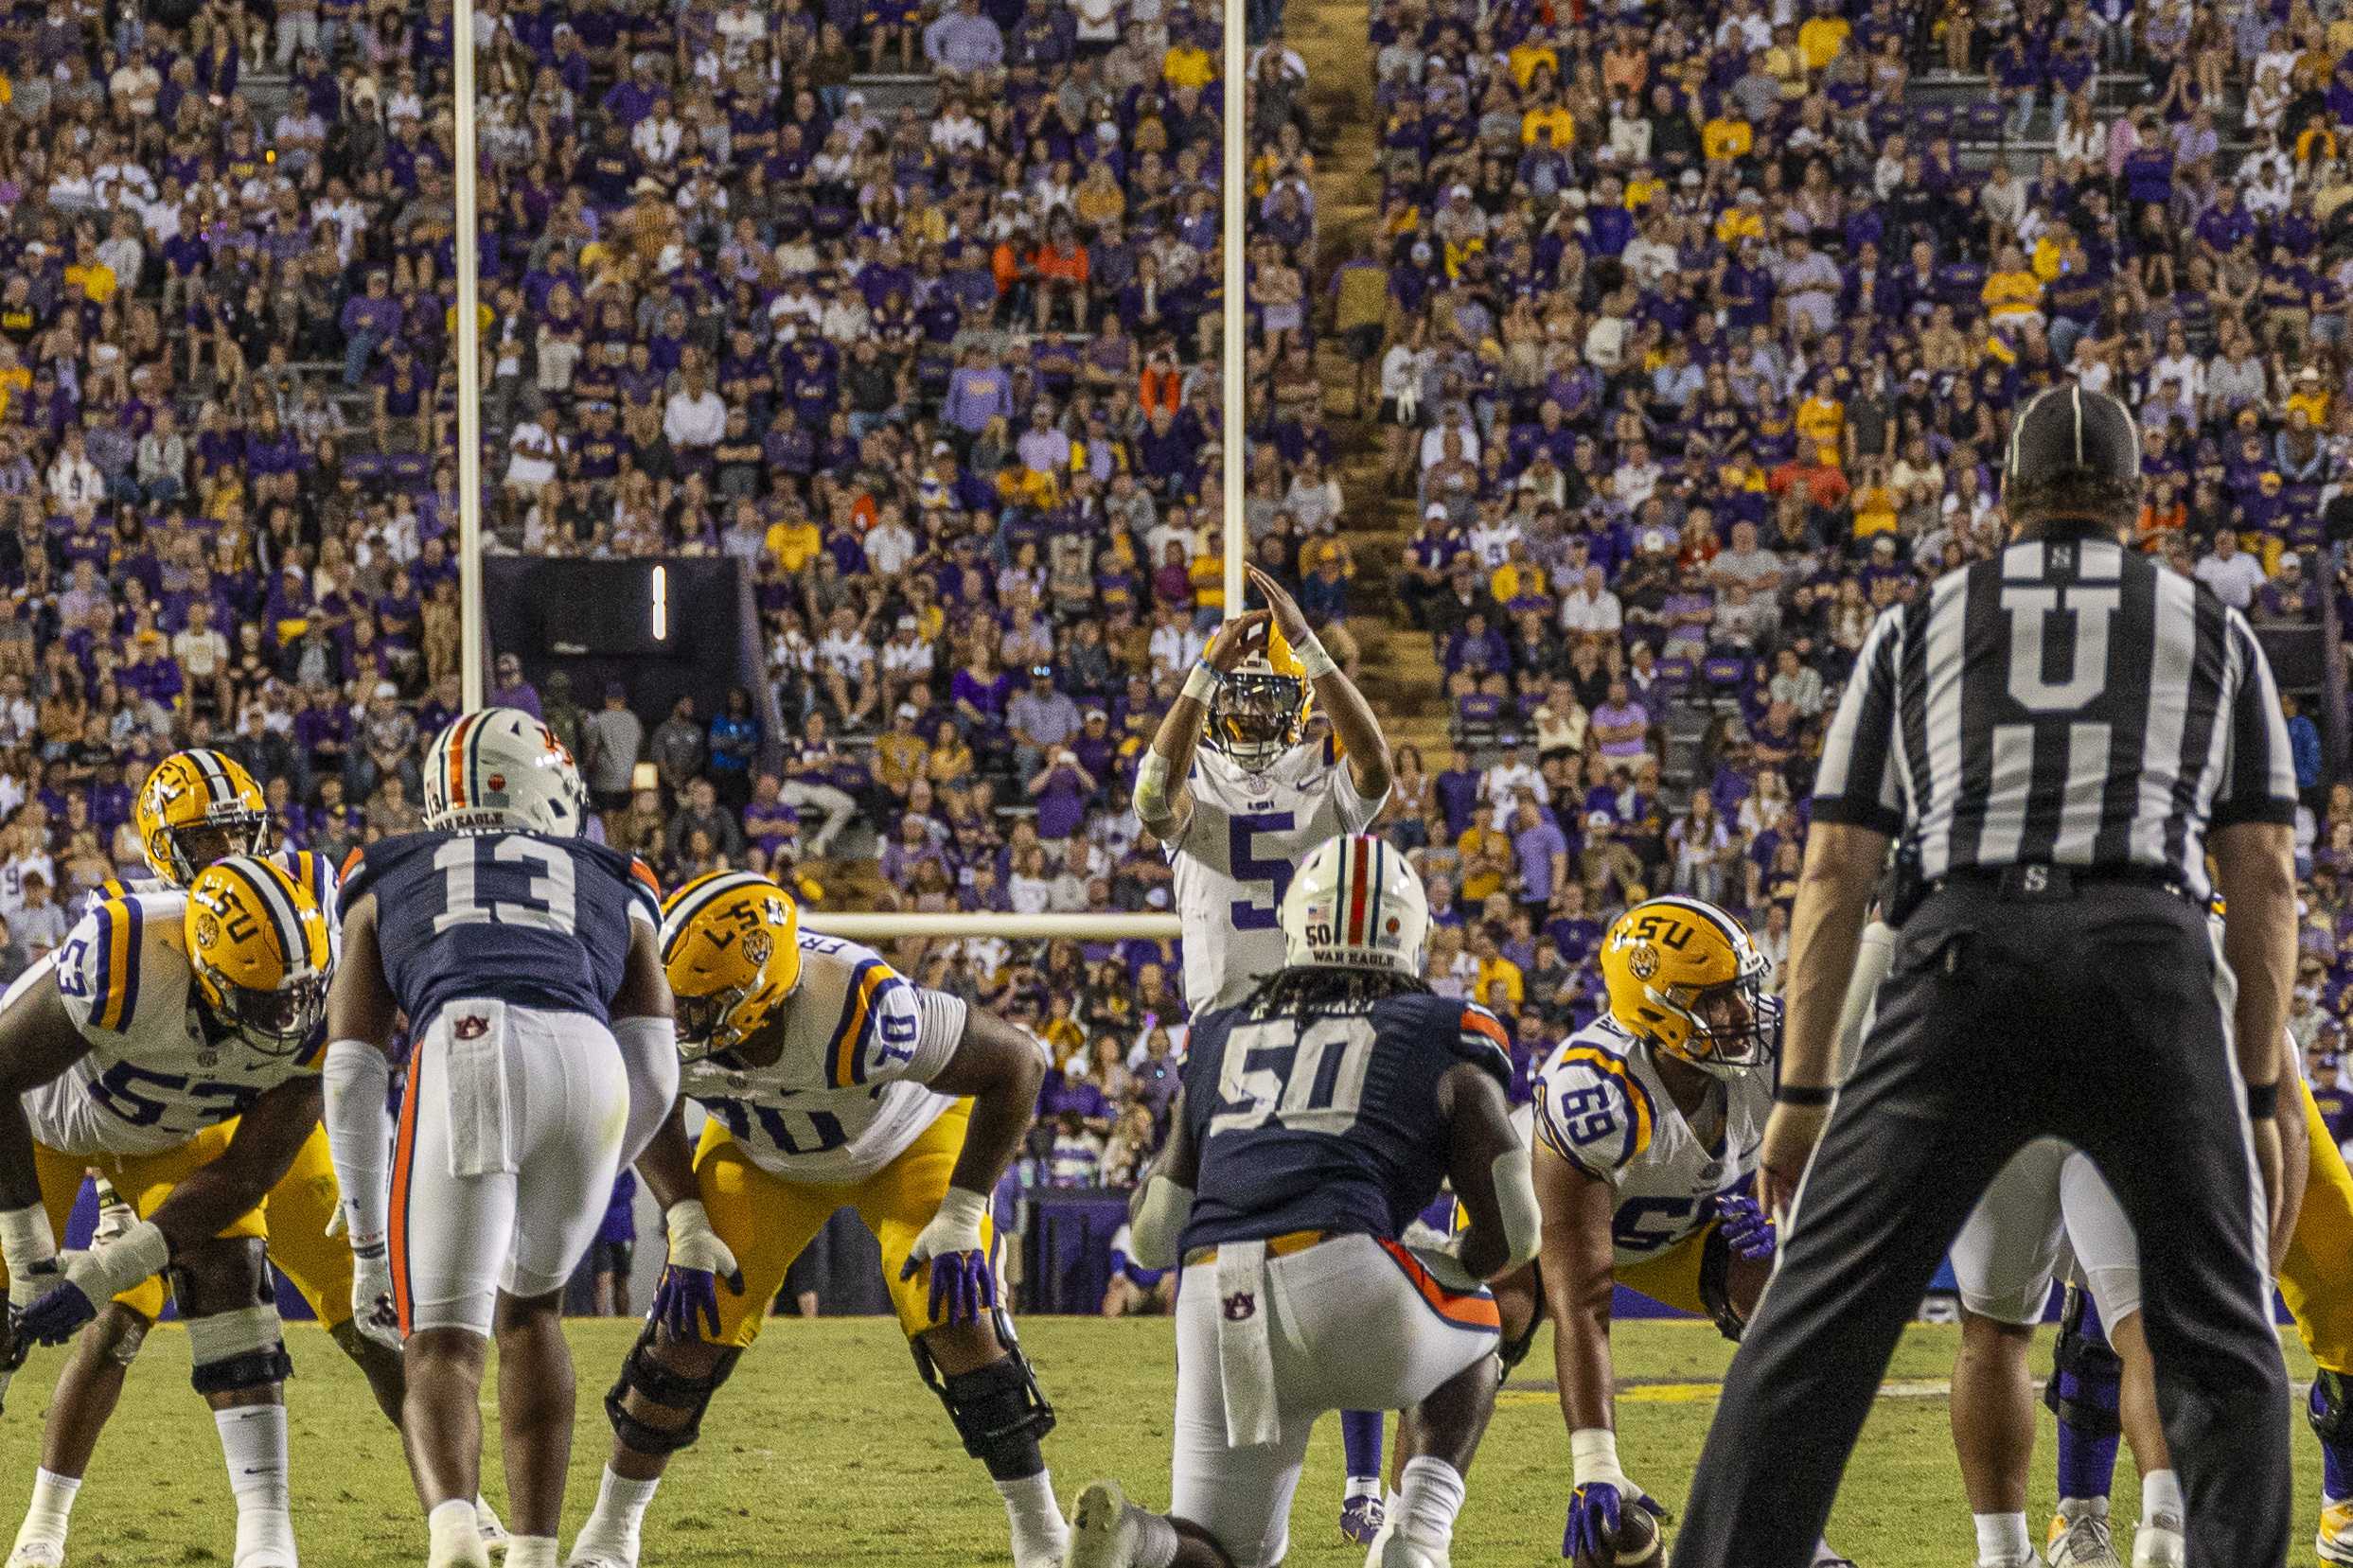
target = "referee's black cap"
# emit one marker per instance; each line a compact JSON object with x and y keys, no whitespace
{"x":2072,"y":451}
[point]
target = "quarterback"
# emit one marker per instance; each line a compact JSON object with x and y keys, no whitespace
{"x":829,"y":1081}
{"x":172,"y":1043}
{"x":200,"y":806}
{"x":1237,"y":799}
{"x":1647,"y":1122}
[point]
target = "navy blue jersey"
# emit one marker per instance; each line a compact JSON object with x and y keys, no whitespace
{"x":1325,"y":1118}
{"x":522,"y":917}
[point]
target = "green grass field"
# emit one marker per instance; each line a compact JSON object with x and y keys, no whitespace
{"x":825,"y":1449}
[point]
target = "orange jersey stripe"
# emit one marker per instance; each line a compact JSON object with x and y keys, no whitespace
{"x":846,"y":1065}
{"x":1472,"y":1311}
{"x":645,"y":874}
{"x":1474,"y":1022}
{"x":403,"y":1161}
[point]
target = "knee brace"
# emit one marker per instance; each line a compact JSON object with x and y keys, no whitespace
{"x":2328,"y":1412}
{"x":997,"y":1410}
{"x":2086,"y":1375}
{"x":1515,"y":1350}
{"x":657,"y":1385}
{"x":1715,"y":1288}
{"x":245,"y":1349}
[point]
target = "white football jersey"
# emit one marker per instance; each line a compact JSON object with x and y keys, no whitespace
{"x":847,"y":1096}
{"x":1233,"y":861}
{"x":154,"y":1076}
{"x":1601,"y":1105}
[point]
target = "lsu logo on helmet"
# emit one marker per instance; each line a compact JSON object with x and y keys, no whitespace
{"x":731,"y":947}
{"x":1685,"y":977}
{"x":258,"y":945}
{"x":196,"y":807}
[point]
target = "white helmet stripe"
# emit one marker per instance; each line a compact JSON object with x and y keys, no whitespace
{"x":217,"y":782}
{"x":284,"y":919}
{"x":692,"y":900}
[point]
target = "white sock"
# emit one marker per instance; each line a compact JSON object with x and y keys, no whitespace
{"x":531,"y":1551}
{"x":1038,"y":1531}
{"x":1360,"y":1486}
{"x":456,"y":1540}
{"x":2073,"y":1508}
{"x":1823,"y":1552}
{"x":52,"y":1506}
{"x":2003,"y":1540}
{"x":619,"y":1515}
{"x":1156,"y":1540}
{"x":252,"y":1441}
{"x":2161,"y":1496}
{"x":1430,"y":1495}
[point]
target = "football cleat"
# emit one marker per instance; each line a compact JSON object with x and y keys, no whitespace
{"x":42,"y":1553}
{"x":1361,"y":1519}
{"x":1102,"y":1528}
{"x":1393,"y":1550}
{"x":486,"y":1525}
{"x":2159,"y":1543}
{"x":2335,"y":1541}
{"x":2083,"y":1542}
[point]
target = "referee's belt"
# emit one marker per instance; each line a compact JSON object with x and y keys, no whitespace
{"x":2036,"y":881}
{"x":1276,"y":1247}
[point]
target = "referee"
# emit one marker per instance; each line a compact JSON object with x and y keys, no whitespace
{"x":2057,"y":738}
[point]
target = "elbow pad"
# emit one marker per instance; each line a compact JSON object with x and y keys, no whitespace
{"x":356,"y":1079}
{"x":1160,"y":1225}
{"x":1515,"y":1197}
{"x":1152,"y":787}
{"x":649,"y":1058}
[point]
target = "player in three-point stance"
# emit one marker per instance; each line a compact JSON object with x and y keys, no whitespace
{"x":521,"y":953}
{"x":1237,"y":800}
{"x":200,"y":806}
{"x":1317,"y":1118}
{"x":172,"y":1041}
{"x":1646,"y":1126}
{"x":829,"y":1081}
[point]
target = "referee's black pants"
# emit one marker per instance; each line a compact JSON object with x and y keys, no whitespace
{"x":2096,"y":1020}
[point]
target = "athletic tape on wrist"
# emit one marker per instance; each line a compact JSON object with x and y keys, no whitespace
{"x":1203,"y":683}
{"x":1313,"y":662}
{"x":1593,"y":1451}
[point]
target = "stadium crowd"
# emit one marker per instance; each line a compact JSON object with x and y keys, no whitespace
{"x":1689,"y":333}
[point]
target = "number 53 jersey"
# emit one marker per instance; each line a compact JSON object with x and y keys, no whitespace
{"x":846,"y":1096}
{"x":154,"y":1076}
{"x":1601,"y":1106}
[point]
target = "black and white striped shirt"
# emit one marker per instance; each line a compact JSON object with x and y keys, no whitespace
{"x":2067,"y":702}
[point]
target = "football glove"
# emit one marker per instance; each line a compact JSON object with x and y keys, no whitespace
{"x":963,"y":1284}
{"x":1749,"y":1230}
{"x":1595,"y":1511}
{"x":93,"y":1277}
{"x":372,"y":1310}
{"x":688,"y":1297}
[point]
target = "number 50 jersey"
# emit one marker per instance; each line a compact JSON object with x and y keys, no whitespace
{"x":1233,"y":861}
{"x":520,"y":917}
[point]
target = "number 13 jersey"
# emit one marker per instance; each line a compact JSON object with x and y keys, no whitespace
{"x":516,"y":917}
{"x":1234,"y":858}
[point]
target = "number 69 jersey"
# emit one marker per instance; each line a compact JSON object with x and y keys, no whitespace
{"x":153,"y":1077}
{"x":846,"y":1097}
{"x":1234,"y":858}
{"x":1601,"y":1106}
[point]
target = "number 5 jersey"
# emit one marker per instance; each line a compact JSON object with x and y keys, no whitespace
{"x":1234,"y":858}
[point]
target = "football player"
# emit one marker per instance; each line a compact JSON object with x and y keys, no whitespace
{"x":197,"y":807}
{"x":1317,"y":1118}
{"x":1237,"y":799}
{"x":172,"y":1041}
{"x":829,"y":1080}
{"x":1647,"y":1127}
{"x":524,"y":958}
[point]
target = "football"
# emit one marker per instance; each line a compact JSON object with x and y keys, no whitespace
{"x":1638,"y":1542}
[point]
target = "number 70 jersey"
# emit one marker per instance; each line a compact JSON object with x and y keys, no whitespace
{"x":1233,"y":860}
{"x":521,"y":917}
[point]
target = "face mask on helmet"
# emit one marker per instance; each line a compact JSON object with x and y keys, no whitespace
{"x":195,"y":847}
{"x":1735,"y":1026}
{"x":275,"y":1023}
{"x":707,"y":1026}
{"x":1255,"y":718}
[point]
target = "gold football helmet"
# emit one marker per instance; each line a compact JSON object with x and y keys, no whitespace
{"x":1261,"y":709}
{"x":259,"y":944}
{"x":731,"y":946}
{"x":197,"y":807}
{"x":1685,"y":977}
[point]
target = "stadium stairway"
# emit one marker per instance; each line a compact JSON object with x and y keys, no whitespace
{"x":1397,"y":666}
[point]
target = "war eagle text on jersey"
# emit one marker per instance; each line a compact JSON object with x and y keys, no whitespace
{"x":1601,"y":1106}
{"x":1326,"y":1118}
{"x":1234,"y":858}
{"x":847,"y":1096}
{"x":521,"y":917}
{"x":156,"y":1074}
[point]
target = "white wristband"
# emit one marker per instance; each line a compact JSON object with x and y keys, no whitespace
{"x":686,"y":1218}
{"x":1203,"y":683}
{"x":139,"y":1254}
{"x":1593,"y":1451}
{"x":964,"y":1208}
{"x":26,"y":1240}
{"x":1313,"y":662}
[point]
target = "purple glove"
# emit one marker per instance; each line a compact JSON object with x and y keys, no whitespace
{"x":1748,"y":1229}
{"x":57,"y":1316}
{"x":962,"y":1286}
{"x":687,"y":1300}
{"x":1595,"y":1510}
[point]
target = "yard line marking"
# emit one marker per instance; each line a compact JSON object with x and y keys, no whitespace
{"x":1522,"y":1391}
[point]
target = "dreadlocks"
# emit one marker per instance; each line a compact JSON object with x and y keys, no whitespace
{"x":1315,"y":986}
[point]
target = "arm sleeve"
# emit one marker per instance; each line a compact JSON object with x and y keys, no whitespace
{"x":1592,"y":1111}
{"x":359,"y":1137}
{"x":2260,"y":770}
{"x":1859,"y":782}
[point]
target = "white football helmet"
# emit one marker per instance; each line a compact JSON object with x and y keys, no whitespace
{"x":1356,"y":903}
{"x":500,"y":767}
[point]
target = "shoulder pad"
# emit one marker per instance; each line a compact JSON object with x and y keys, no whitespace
{"x":1468,"y":1032}
{"x":99,"y":969}
{"x":1591,"y":1109}
{"x":875,"y":1036}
